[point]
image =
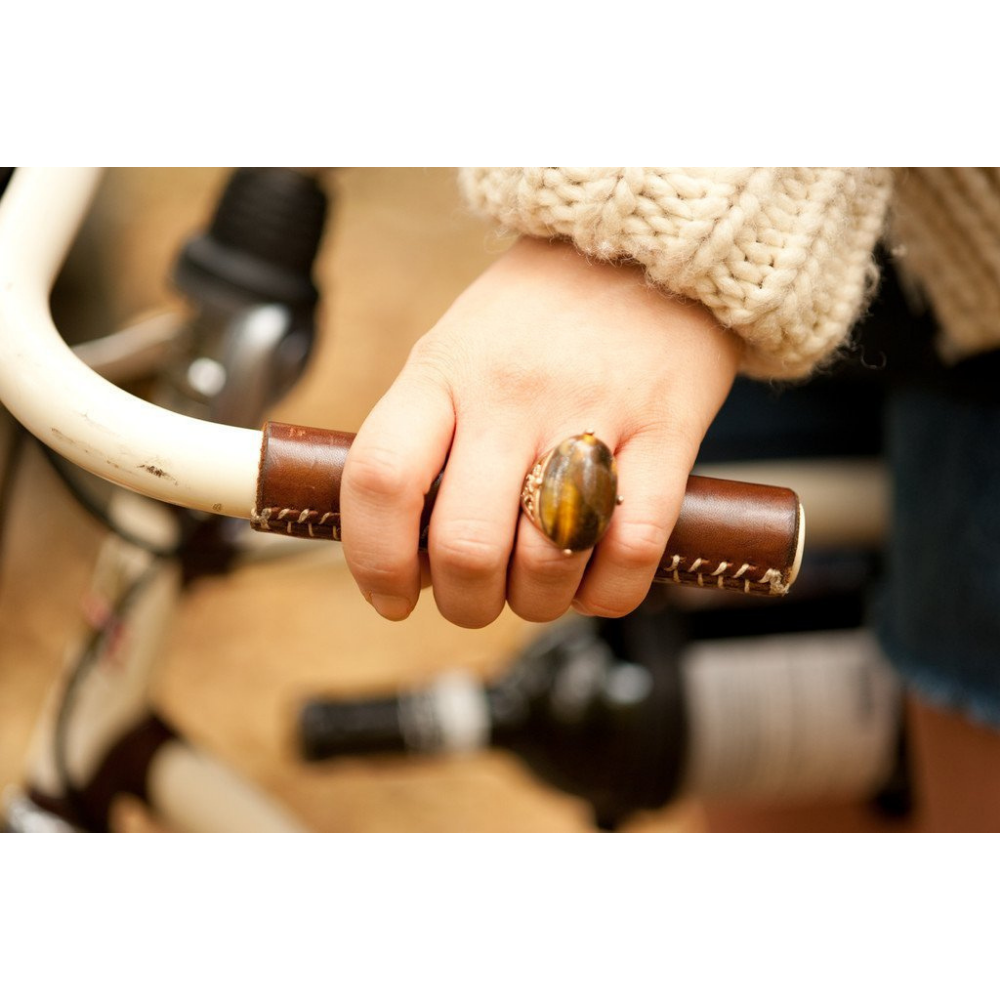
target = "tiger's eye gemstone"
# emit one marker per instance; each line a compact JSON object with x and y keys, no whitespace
{"x":577,"y":495}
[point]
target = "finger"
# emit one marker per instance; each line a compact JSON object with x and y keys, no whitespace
{"x":652,"y":474}
{"x":474,"y":521}
{"x":543,"y":579}
{"x":396,"y":456}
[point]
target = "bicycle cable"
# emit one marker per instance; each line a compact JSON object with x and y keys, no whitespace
{"x":88,"y":658}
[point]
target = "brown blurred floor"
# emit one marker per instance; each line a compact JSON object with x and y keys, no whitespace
{"x":399,"y":250}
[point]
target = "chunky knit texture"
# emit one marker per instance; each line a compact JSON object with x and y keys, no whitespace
{"x":946,"y":235}
{"x":783,"y":256}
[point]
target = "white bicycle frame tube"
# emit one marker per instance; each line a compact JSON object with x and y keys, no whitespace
{"x":96,"y":425}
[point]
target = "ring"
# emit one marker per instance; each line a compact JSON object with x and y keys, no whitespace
{"x":570,"y":492}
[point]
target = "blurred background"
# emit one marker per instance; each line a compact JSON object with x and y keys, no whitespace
{"x":705,"y":710}
{"x":247,"y":648}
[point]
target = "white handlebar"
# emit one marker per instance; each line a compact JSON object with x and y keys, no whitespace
{"x":91,"y":422}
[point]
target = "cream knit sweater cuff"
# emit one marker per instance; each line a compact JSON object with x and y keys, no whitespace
{"x":783,"y":256}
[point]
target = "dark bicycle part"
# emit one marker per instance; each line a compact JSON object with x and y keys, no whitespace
{"x":249,"y":277}
{"x":124,"y":770}
{"x":261,"y":244}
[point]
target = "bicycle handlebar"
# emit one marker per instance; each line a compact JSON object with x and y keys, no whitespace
{"x":51,"y":392}
{"x":731,"y":536}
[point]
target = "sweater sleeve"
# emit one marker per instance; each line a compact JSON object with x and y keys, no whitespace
{"x":783,"y":256}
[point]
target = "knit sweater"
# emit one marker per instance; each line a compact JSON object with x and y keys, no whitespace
{"x":782,"y":256}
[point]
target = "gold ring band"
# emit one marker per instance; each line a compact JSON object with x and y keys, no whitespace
{"x":570,"y":493}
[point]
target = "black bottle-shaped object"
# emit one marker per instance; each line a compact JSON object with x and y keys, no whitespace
{"x":632,"y":714}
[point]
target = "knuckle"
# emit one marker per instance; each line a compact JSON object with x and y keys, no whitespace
{"x":637,"y":545}
{"x":429,"y":363}
{"x":669,"y":434}
{"x":515,"y":381}
{"x":550,"y":566}
{"x":375,"y":472}
{"x":543,"y":581}
{"x":466,"y":551}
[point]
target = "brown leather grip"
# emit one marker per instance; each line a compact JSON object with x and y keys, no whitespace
{"x":731,"y":536}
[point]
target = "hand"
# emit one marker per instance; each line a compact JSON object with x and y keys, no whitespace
{"x":545,"y":344}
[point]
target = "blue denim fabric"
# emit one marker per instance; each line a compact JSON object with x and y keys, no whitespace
{"x":938,"y":616}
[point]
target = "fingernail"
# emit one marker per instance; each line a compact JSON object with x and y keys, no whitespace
{"x":393,"y":608}
{"x":580,"y":610}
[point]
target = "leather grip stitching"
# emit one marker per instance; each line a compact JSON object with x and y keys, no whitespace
{"x":772,"y":580}
{"x":293,"y":521}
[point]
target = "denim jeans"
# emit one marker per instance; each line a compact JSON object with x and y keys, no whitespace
{"x":938,"y":615}
{"x":935,"y":605}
